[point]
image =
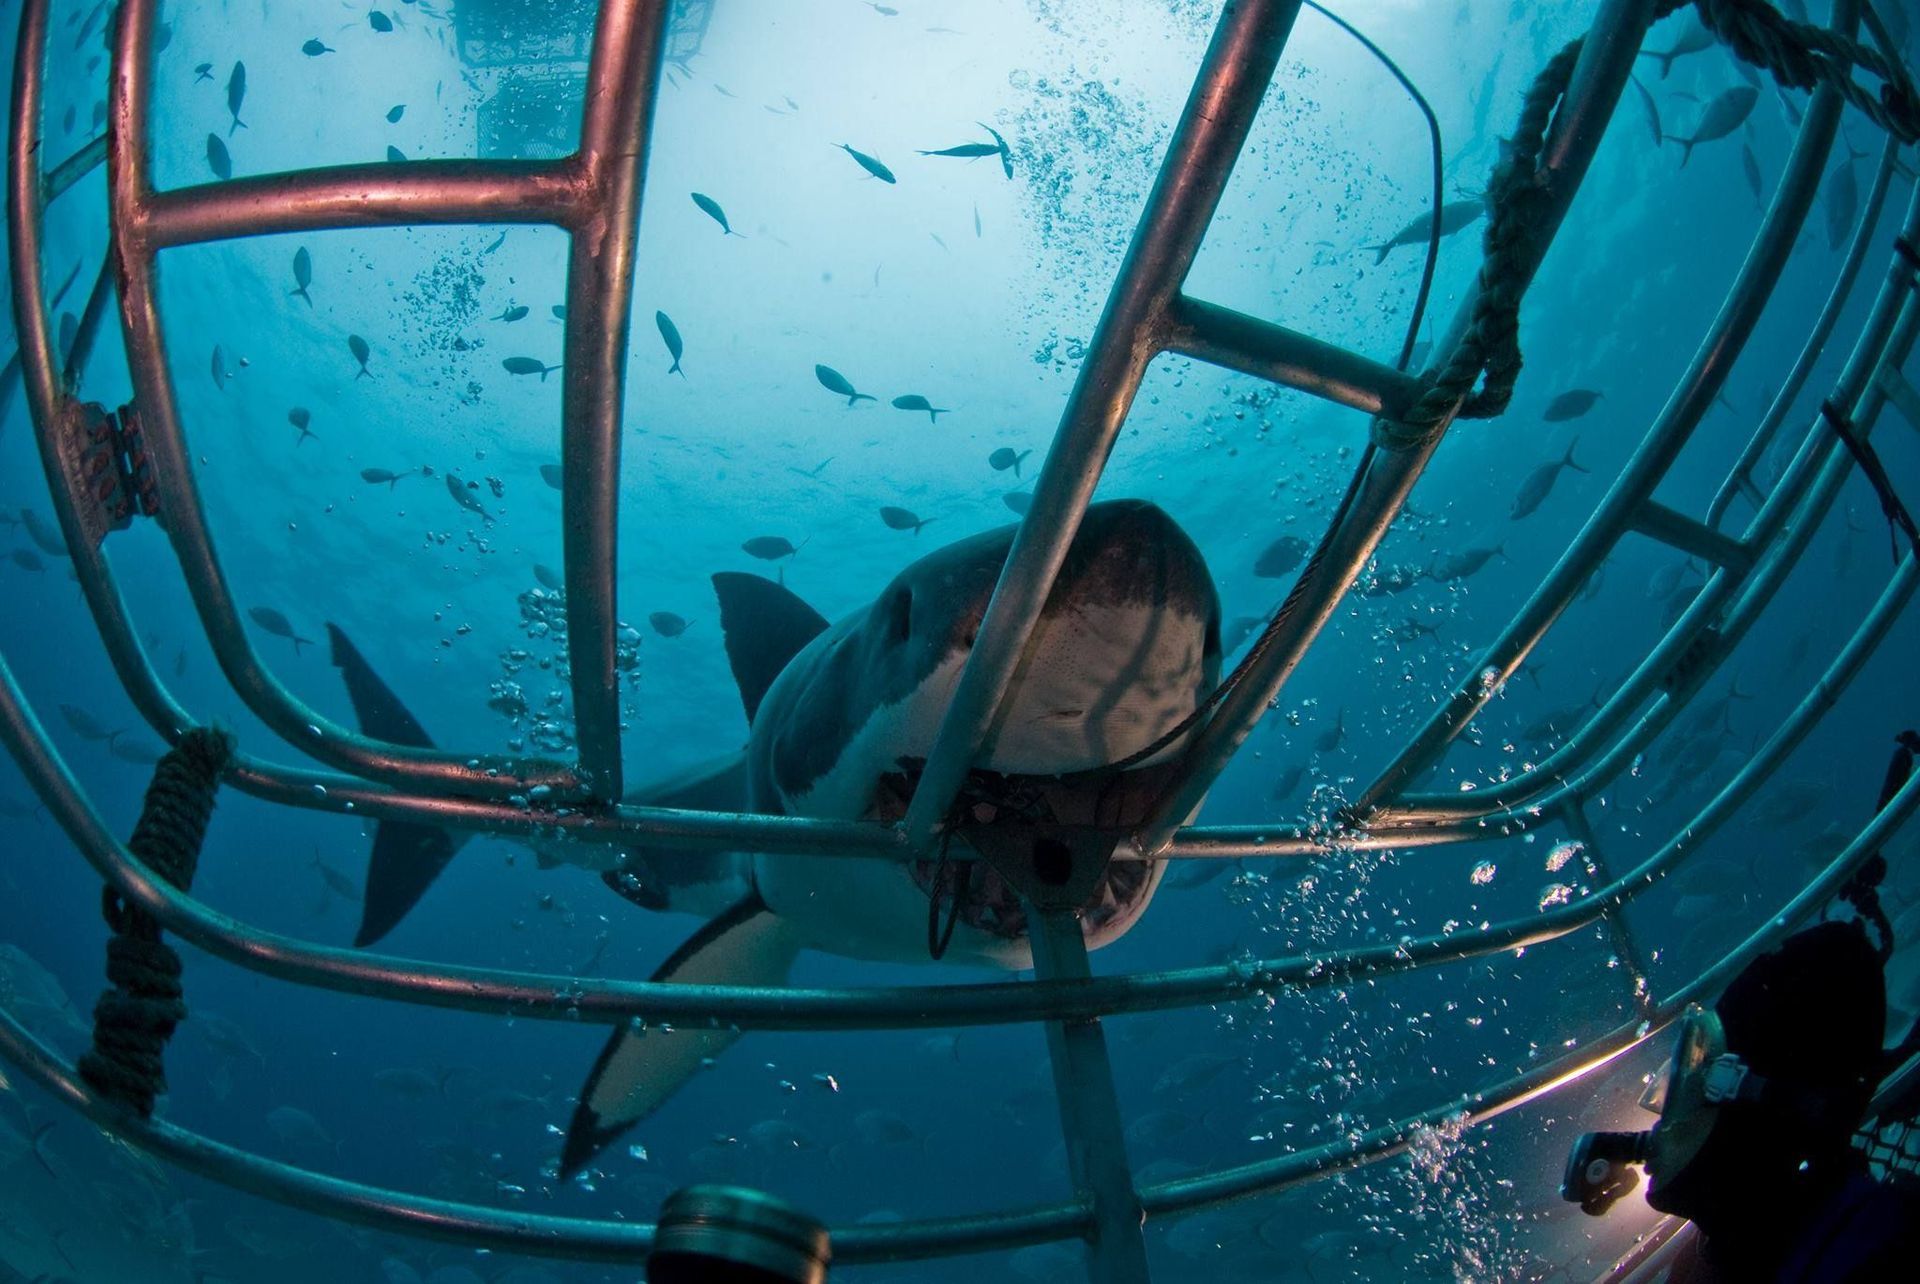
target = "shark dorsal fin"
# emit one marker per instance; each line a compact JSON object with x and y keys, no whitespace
{"x":765,"y":627}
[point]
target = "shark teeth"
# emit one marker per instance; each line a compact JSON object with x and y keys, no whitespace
{"x":989,"y":904}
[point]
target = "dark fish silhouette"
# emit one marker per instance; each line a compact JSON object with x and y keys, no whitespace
{"x":1653,"y":112}
{"x":914,"y":401}
{"x":550,"y":474}
{"x":27,"y":560}
{"x":901,"y":519}
{"x":835,"y":382}
{"x":1283,"y":555}
{"x":712,"y":209}
{"x":1005,"y":458}
{"x":86,"y":726}
{"x":1727,"y":112}
{"x":965,"y":151}
{"x":670,"y":335}
{"x":1458,"y":566}
{"x":1454,"y":215}
{"x":217,"y":159}
{"x":379,"y":21}
{"x":1006,"y":153}
{"x":302,"y":274}
{"x":300,"y":418}
{"x":395,"y":155}
{"x":769,"y":548}
{"x":560,"y":312}
{"x":462,"y":493}
{"x":202,"y":71}
{"x":1018,"y":500}
{"x":1694,"y":39}
{"x":527,"y":366}
{"x":219,"y":369}
{"x":275,"y":623}
{"x":512,"y":314}
{"x":869,"y":164}
{"x":313,"y":48}
{"x":1534,"y":490}
{"x":667,"y":624}
{"x":361,"y":352}
{"x":1570,"y":405}
{"x":377,"y":476}
{"x":395,"y":112}
{"x":236,"y":95}
{"x":549,"y":578}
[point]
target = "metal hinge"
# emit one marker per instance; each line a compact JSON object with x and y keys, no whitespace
{"x":110,"y":473}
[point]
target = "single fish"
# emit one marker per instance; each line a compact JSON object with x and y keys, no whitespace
{"x":550,"y":474}
{"x":1006,"y":457}
{"x":496,"y":243}
{"x":395,"y":112}
{"x":394,"y":155}
{"x":869,"y":164}
{"x":549,"y":578}
{"x":1333,"y":737}
{"x":711,"y":208}
{"x":202,"y":71}
{"x":1280,"y":557}
{"x":769,"y":548}
{"x":914,"y":401}
{"x":527,"y":366}
{"x":380,"y":476}
{"x":140,"y":755}
{"x":300,"y":417}
{"x":901,"y":519}
{"x":835,"y":382}
{"x":518,"y":312}
{"x":1751,"y":165}
{"x":462,"y":493}
{"x":1653,"y":112}
{"x":1570,"y":405}
{"x":1693,"y":40}
{"x":1006,"y":153}
{"x":277,"y":624}
{"x":379,"y":21}
{"x":1454,"y":215}
{"x":361,"y":352}
{"x":217,"y":159}
{"x":667,"y":624}
{"x":43,"y":533}
{"x":965,"y":151}
{"x":1018,"y":501}
{"x":670,"y":335}
{"x":1539,"y":483}
{"x":302,"y":274}
{"x":86,"y":726}
{"x":1458,"y":566}
{"x":1727,"y":112}
{"x":313,"y":48}
{"x":296,"y":1127}
{"x":220,"y":372}
{"x":559,"y":312}
{"x":27,"y":560}
{"x":236,"y":95}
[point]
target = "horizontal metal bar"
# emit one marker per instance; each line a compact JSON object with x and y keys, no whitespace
{"x":1222,"y":337}
{"x":377,"y":194}
{"x":1207,"y":139}
{"x":1385,"y":477}
{"x":1696,"y":539}
{"x":60,"y":179}
{"x":1689,"y":402}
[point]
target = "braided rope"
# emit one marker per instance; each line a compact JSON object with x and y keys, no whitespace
{"x":1803,"y":56}
{"x":134,"y":1019}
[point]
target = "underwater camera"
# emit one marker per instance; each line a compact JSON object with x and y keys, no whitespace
{"x":731,"y":1235}
{"x":1602,"y":1169}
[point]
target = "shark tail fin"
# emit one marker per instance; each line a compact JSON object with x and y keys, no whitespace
{"x":407,"y":857}
{"x":640,"y":1068}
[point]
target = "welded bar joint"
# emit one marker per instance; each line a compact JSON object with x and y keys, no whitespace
{"x":1694,"y":538}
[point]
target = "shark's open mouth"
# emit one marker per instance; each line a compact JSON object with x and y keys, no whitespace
{"x":964,"y":885}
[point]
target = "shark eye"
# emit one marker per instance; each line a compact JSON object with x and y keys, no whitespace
{"x":900,"y":615}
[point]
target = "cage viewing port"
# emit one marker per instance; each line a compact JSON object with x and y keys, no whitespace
{"x":594,"y":195}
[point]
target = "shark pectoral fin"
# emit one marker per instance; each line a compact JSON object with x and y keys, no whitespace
{"x":407,"y":857}
{"x":640,"y":1068}
{"x":765,"y":626}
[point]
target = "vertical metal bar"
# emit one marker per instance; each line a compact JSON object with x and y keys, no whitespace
{"x":1213,"y":126}
{"x":1619,"y":932}
{"x":1599,"y":76}
{"x":1690,"y":401}
{"x":614,"y":139}
{"x":1090,"y":1110}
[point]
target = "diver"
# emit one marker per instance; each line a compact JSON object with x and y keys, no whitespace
{"x":1758,"y":1109}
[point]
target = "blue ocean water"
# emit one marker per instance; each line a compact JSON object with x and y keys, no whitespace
{"x":977,"y":290}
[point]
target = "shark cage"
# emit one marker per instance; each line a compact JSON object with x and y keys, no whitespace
{"x":108,"y":468}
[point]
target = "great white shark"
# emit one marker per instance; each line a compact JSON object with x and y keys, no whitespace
{"x":1126,"y":649}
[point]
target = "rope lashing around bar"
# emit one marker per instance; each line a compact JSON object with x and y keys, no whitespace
{"x":133,"y":1020}
{"x":1799,"y":56}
